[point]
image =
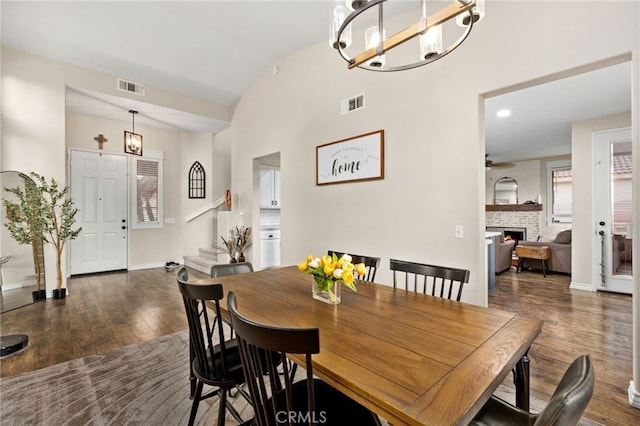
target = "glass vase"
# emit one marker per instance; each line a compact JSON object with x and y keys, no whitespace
{"x":321,"y":291}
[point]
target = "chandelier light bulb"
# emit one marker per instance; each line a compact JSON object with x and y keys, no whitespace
{"x":338,"y":13}
{"x":431,"y":42}
{"x":478,"y":13}
{"x":372,"y":40}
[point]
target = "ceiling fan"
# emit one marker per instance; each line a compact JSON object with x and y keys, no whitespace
{"x":489,"y":164}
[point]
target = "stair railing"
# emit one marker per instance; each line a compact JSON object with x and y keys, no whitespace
{"x":204,"y":209}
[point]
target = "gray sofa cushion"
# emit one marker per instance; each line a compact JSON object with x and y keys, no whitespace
{"x":563,"y":237}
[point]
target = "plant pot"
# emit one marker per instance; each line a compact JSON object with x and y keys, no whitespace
{"x":39,"y":295}
{"x":60,"y":294}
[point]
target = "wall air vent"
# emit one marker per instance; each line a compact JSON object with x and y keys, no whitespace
{"x":352,"y":104}
{"x":131,"y":87}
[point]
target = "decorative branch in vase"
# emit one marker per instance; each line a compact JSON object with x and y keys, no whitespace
{"x":238,"y":241}
{"x":228,"y":247}
{"x":242,"y":237}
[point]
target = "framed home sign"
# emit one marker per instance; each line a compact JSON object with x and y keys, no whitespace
{"x":353,"y":159}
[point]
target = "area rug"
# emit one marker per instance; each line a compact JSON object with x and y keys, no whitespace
{"x":142,"y":384}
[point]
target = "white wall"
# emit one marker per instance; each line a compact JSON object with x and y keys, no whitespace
{"x":434,"y":152}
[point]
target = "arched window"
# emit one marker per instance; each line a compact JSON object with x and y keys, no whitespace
{"x":196,"y":181}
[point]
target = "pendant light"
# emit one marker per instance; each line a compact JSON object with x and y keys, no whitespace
{"x":132,"y":140}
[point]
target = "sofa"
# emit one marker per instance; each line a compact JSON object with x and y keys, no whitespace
{"x":621,"y":254}
{"x":504,"y":253}
{"x":560,"y":247}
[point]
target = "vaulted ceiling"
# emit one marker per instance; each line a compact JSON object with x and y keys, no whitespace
{"x":216,"y":49}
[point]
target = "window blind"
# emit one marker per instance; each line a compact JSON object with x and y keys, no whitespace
{"x":147,"y":178}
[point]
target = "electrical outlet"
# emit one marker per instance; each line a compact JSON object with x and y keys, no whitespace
{"x":459,"y":231}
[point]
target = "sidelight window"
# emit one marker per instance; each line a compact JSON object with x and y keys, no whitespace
{"x":147,"y":192}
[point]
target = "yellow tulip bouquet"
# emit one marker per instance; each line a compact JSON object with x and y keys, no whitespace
{"x":329,"y":270}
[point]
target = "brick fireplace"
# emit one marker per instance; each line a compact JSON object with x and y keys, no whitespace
{"x":525,"y":218}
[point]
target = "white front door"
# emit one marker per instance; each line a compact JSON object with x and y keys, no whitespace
{"x":613,"y":211}
{"x":99,"y":191}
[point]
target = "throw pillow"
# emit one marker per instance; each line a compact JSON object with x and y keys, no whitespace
{"x":563,"y":237}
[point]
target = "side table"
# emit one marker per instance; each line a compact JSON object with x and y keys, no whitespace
{"x":542,"y":253}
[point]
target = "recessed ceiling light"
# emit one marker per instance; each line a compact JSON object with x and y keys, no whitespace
{"x":503,"y":113}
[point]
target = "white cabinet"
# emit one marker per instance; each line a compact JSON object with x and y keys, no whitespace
{"x":269,"y":188}
{"x":270,"y":248}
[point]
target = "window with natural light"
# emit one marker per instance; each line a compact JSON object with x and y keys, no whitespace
{"x":559,"y":191}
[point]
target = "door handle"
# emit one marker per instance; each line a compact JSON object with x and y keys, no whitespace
{"x":124,"y":227}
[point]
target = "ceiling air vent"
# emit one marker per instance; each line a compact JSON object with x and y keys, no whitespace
{"x":131,"y":87}
{"x":352,"y":104}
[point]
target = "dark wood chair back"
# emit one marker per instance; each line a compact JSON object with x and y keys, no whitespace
{"x":372,"y":264}
{"x":440,"y":281}
{"x":215,"y":360}
{"x":276,"y":399}
{"x":222,"y":269}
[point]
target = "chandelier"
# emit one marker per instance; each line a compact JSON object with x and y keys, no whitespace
{"x":132,"y":140}
{"x":427,"y":28}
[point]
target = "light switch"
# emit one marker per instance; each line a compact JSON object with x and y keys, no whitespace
{"x":459,"y":231}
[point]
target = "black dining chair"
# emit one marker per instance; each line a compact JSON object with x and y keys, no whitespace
{"x":565,"y":408}
{"x":371,"y":263}
{"x":215,"y":359}
{"x":440,"y":281}
{"x":276,"y":398}
{"x":223,"y":269}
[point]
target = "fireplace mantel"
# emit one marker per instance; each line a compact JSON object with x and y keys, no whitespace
{"x":513,"y":207}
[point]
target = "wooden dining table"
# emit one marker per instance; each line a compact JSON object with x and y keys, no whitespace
{"x":411,"y":358}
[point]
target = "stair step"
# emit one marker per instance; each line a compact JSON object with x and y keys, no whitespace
{"x":208,"y":253}
{"x":202,"y":264}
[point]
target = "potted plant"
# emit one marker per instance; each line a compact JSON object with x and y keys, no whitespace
{"x":58,"y":217}
{"x":25,"y":224}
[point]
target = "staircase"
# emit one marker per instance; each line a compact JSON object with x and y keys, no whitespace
{"x":206,"y":258}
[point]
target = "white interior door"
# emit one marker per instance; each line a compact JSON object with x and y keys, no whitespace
{"x":613,"y":211}
{"x":99,"y":191}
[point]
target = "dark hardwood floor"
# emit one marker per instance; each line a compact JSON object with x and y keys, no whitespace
{"x":107,"y":311}
{"x":575,"y":322}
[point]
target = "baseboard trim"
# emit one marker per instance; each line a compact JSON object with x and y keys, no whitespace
{"x":145,"y":266}
{"x":580,"y":286}
{"x":634,"y":396}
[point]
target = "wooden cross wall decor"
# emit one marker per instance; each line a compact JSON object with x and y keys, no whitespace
{"x":101,"y":140}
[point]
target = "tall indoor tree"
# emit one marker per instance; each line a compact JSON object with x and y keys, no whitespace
{"x":58,"y":219}
{"x":25,"y":222}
